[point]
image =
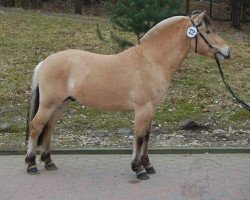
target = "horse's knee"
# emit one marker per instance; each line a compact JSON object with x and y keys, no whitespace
{"x":142,"y":129}
{"x":143,"y":118}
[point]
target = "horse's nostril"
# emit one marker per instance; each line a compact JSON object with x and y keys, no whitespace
{"x":227,"y":56}
{"x":225,"y":52}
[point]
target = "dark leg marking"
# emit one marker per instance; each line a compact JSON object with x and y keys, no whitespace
{"x":49,"y":165}
{"x":136,"y":164}
{"x":147,"y":136}
{"x":145,"y":160}
{"x":139,"y":141}
{"x":146,"y":163}
{"x":31,"y":161}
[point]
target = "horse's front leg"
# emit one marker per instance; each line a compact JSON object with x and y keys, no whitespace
{"x":143,"y":118}
{"x":144,"y":155}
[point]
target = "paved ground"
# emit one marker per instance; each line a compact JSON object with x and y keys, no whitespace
{"x":108,"y":177}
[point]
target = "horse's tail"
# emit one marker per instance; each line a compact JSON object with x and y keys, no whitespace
{"x":34,"y":104}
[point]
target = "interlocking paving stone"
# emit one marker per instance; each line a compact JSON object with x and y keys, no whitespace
{"x":101,"y":177}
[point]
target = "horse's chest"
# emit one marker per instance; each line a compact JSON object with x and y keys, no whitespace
{"x":159,"y":93}
{"x":158,"y":96}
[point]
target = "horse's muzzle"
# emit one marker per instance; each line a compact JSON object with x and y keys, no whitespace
{"x":223,"y":53}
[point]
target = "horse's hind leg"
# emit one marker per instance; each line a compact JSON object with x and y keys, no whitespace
{"x":143,"y":118}
{"x":49,"y":127}
{"x":37,"y":124}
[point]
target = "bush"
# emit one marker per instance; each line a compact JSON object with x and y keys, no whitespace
{"x":138,"y":16}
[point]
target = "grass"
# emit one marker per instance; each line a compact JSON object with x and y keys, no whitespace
{"x":197,"y":92}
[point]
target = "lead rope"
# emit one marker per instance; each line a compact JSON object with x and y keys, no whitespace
{"x":240,"y":101}
{"x":246,"y":106}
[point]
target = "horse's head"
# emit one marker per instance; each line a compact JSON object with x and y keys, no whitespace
{"x":205,"y":41}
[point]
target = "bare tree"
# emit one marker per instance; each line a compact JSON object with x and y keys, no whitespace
{"x":236,"y":13}
{"x":8,"y":3}
{"x":78,"y":6}
{"x":244,"y":11}
{"x":187,"y":6}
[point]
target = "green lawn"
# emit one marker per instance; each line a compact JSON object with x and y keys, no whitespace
{"x":197,"y":92}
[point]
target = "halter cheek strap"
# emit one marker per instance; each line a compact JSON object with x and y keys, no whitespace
{"x":245,"y":105}
{"x":202,"y":36}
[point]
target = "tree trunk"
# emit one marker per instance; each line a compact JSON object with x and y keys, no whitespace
{"x":9,"y":3}
{"x":22,"y":3}
{"x":86,"y":2}
{"x":12,"y":3}
{"x":244,"y":11}
{"x":36,"y":3}
{"x":78,"y":7}
{"x":187,"y":6}
{"x":236,"y":14}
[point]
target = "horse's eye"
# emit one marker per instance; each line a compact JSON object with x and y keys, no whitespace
{"x":208,"y":32}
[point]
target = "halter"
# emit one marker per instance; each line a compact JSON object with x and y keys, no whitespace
{"x":246,"y":106}
{"x":202,"y":36}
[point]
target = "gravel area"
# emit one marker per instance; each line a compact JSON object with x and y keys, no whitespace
{"x":159,"y":137}
{"x":123,"y":138}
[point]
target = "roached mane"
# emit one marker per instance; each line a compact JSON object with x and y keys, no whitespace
{"x":158,"y":27}
{"x":173,"y":19}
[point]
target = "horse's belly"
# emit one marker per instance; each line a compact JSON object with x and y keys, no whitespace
{"x":105,"y":99}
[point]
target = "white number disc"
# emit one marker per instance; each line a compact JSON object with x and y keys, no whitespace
{"x":191,"y":32}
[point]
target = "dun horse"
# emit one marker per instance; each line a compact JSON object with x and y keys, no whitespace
{"x":136,"y":79}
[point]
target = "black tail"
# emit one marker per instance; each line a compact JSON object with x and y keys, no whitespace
{"x":33,"y":108}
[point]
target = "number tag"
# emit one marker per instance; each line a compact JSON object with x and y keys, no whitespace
{"x":191,"y":32}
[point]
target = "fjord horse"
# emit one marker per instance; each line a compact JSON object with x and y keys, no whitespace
{"x":136,"y":79}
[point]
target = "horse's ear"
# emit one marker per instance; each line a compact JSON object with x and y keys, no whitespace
{"x":198,"y":18}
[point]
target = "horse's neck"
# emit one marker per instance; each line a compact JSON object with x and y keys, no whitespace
{"x":168,"y":49}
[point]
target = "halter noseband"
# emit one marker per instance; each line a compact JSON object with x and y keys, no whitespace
{"x":202,"y":36}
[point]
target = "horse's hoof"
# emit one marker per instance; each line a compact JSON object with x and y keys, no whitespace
{"x":33,"y":170}
{"x":50,"y":167}
{"x":142,"y":176}
{"x":150,"y":170}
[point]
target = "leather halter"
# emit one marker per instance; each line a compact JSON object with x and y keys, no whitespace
{"x":244,"y":104}
{"x":202,"y":36}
